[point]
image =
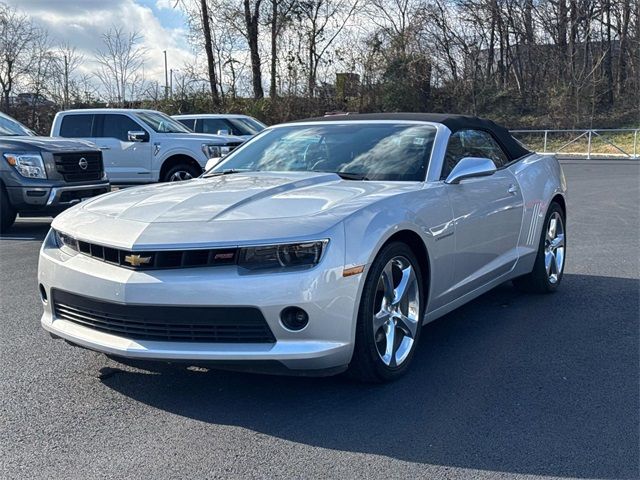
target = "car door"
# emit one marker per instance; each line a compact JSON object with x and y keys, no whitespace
{"x":487,"y":213}
{"x":124,"y":161}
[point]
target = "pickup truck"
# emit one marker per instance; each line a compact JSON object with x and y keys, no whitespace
{"x":143,"y":146}
{"x":42,"y":175}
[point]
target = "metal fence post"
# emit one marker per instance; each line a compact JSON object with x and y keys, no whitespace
{"x":589,"y":146}
{"x":545,"y":141}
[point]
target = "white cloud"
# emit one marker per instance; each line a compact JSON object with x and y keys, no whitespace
{"x":81,"y":23}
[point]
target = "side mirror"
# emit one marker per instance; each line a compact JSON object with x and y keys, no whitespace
{"x":137,"y":136}
{"x":224,"y":132}
{"x":471,"y":167}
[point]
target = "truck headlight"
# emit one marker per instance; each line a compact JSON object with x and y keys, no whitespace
{"x":306,"y":254}
{"x":215,"y":151}
{"x":28,"y":165}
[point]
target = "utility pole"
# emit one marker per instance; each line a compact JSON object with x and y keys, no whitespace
{"x":166,"y":77}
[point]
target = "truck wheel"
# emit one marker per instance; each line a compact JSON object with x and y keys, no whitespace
{"x":7,"y":212}
{"x":180,"y":172}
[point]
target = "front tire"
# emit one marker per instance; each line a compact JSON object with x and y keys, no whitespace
{"x":549,"y":265}
{"x":7,"y":212}
{"x":181,"y":172}
{"x":390,"y":316}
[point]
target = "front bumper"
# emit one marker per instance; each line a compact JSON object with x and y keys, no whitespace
{"x":325,"y":344}
{"x":52,"y":199}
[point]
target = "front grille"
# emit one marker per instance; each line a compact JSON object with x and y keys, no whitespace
{"x":164,"y":323}
{"x":69,"y":165}
{"x":153,"y":260}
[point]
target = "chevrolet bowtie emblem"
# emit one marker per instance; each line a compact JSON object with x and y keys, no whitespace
{"x":136,"y":260}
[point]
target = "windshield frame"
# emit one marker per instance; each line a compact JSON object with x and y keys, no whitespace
{"x":171,"y":121}
{"x":432,"y":173}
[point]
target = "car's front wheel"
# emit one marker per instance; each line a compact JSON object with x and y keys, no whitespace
{"x":180,"y":172}
{"x":389,"y":317}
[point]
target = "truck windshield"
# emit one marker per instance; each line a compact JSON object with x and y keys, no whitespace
{"x":353,"y":150}
{"x":247,"y":126}
{"x":10,"y":127}
{"x":162,"y":123}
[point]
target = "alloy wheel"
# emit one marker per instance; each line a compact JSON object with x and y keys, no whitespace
{"x":180,"y":175}
{"x":554,"y":245}
{"x":396,"y":311}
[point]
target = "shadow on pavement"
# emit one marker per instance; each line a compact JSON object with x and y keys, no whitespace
{"x":519,"y":383}
{"x":28,"y":229}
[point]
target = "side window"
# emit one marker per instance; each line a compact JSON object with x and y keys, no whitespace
{"x":118,"y":126}
{"x":187,"y":122}
{"x":212,"y":125}
{"x":472,"y":143}
{"x":79,"y":126}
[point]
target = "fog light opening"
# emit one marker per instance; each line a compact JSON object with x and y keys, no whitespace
{"x":294,"y":318}
{"x":43,"y":293}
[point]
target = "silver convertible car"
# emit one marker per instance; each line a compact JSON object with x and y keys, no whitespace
{"x":316,"y":247}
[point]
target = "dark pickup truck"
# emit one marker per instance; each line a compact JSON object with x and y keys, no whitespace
{"x":41,"y":176}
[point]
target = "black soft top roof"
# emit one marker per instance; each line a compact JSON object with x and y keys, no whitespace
{"x":454,"y":122}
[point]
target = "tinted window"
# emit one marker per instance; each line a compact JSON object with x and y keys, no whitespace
{"x":369,"y":151}
{"x":118,"y":126}
{"x":472,"y":143}
{"x":76,"y":126}
{"x":213,"y":125}
{"x":187,"y":122}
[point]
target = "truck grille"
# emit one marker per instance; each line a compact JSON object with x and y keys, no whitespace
{"x":70,"y":165}
{"x":164,"y":323}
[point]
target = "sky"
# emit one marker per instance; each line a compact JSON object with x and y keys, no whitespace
{"x":80,"y":23}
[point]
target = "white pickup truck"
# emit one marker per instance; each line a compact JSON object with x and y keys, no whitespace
{"x":142,"y":146}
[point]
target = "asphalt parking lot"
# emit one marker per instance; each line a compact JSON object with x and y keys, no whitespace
{"x":509,"y":386}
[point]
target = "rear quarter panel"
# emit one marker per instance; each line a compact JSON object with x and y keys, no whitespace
{"x":541,"y":179}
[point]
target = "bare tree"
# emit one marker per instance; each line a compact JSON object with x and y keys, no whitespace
{"x":121,"y":63}
{"x":17,"y":34}
{"x":320,"y":22}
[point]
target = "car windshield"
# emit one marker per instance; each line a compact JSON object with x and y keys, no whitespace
{"x":355,"y":151}
{"x":247,"y":126}
{"x":10,"y":127}
{"x":162,"y":123}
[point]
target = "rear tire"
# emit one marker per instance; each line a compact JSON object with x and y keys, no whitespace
{"x":548,"y":268}
{"x":7,"y":212}
{"x":389,"y":316}
{"x":181,"y":172}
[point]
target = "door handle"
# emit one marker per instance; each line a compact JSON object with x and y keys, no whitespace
{"x":105,"y":148}
{"x":513,"y":189}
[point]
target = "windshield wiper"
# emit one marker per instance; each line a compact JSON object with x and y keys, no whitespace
{"x":227,"y":171}
{"x":352,"y":176}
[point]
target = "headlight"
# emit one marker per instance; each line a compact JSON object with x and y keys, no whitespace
{"x":215,"y":151}
{"x":280,"y":256}
{"x":28,"y":165}
{"x":65,"y":241}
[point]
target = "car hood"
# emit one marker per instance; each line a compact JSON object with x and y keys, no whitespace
{"x":46,"y":144}
{"x":204,"y":138}
{"x":224,"y":210}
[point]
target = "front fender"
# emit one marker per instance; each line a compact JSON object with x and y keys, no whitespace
{"x":426,"y":213}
